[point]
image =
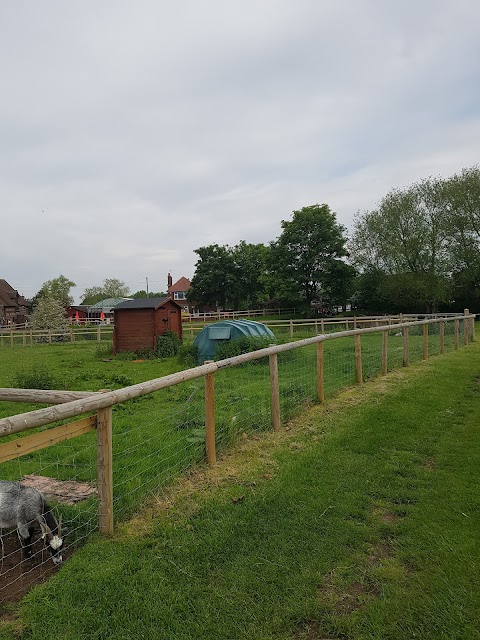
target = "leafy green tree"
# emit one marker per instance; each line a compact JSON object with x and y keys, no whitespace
{"x":462,"y":202}
{"x":111,"y":288}
{"x":57,"y":288}
{"x":143,"y":294}
{"x":214,"y":280}
{"x":305,"y":257}
{"x":250,"y":267}
{"x":407,"y":236}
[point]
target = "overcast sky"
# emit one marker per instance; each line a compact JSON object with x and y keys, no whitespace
{"x":133,"y":132}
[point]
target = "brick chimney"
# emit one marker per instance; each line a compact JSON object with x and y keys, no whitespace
{"x":169,"y":282}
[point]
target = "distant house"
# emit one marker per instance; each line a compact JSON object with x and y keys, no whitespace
{"x":14,"y":308}
{"x":139,"y":322}
{"x":178,"y":291}
{"x":78,"y":313}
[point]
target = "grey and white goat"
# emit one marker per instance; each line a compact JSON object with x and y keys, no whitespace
{"x":25,"y":509}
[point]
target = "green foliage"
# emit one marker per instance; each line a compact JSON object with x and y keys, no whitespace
{"x":188,"y":354}
{"x":167,"y":345}
{"x":425,"y":242}
{"x":37,"y":377}
{"x":230,"y":277}
{"x":245,"y":344}
{"x":58,"y":289}
{"x":111,"y":288}
{"x":306,"y":257}
{"x":143,"y":294}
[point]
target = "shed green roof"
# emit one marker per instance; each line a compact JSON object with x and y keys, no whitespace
{"x":209,"y":337}
{"x":107,"y":304}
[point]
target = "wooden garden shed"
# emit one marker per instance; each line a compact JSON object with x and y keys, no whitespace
{"x":139,"y":322}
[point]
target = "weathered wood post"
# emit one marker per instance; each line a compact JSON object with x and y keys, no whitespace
{"x":473,"y":329}
{"x":405,"y":347}
{"x":466,"y":322}
{"x":442,"y":336}
{"x":11,"y":338}
{"x":384,"y":352}
{"x":274,"y":391}
{"x":358,"y":359}
{"x":425,"y":341}
{"x":210,"y":417}
{"x":320,"y":372}
{"x":291,"y":328}
{"x":105,"y":470}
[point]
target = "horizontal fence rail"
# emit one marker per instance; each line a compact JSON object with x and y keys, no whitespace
{"x":24,"y":336}
{"x":400,"y":342}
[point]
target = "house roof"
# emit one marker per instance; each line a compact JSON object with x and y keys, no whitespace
{"x":145,"y":303}
{"x":9,"y":297}
{"x":79,"y":307}
{"x":183,"y":284}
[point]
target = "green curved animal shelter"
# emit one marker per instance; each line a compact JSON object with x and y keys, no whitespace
{"x":210,"y":337}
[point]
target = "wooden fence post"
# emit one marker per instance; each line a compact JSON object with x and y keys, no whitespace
{"x":358,"y":359}
{"x":466,"y":322}
{"x":210,"y":417}
{"x":425,"y":341}
{"x":320,"y":372}
{"x":384,"y":352}
{"x":473,"y":329}
{"x":457,"y":331}
{"x":405,"y":347}
{"x":105,"y":470}
{"x":274,"y":391}
{"x":291,"y":328}
{"x":442,"y":336}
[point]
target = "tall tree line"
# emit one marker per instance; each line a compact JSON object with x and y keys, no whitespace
{"x":419,"y":249}
{"x":304,"y":264}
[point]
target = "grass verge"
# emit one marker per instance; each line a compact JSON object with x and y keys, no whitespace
{"x":359,"y":521}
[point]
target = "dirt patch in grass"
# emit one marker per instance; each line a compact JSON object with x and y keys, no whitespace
{"x":314,"y":631}
{"x":18,"y":576}
{"x":379,"y":552}
{"x":347,"y":598}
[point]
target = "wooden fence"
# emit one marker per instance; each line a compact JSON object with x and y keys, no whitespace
{"x":20,"y":336}
{"x":29,"y":337}
{"x":67,"y":404}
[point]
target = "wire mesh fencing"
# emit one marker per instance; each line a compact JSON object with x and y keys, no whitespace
{"x":159,"y":434}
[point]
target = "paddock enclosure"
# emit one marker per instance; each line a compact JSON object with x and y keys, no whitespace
{"x":125,"y":444}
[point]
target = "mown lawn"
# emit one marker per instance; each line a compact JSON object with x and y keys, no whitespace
{"x":361,"y":520}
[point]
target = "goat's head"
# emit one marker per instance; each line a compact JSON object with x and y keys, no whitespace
{"x":53,"y":541}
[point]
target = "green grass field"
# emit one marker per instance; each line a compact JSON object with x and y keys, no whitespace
{"x":359,"y":521}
